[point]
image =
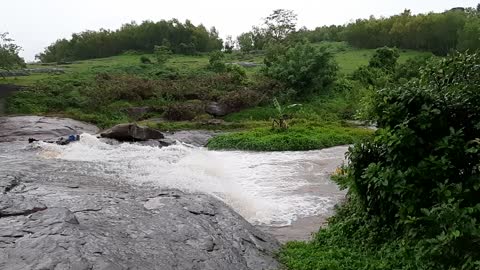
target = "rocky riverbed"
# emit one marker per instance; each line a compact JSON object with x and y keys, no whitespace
{"x":53,"y":216}
{"x":99,"y":205}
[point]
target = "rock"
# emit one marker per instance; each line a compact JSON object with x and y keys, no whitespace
{"x":216,"y":109}
{"x":132,"y":132}
{"x":110,"y":226}
{"x":41,"y":128}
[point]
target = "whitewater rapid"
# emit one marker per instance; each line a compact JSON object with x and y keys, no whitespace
{"x":274,"y":188}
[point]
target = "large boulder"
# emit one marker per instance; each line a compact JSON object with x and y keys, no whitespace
{"x":132,"y":132}
{"x":41,"y":128}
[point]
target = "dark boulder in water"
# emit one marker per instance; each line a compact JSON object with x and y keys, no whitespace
{"x":132,"y":132}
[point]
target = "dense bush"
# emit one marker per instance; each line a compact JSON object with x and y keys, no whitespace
{"x":216,"y":61}
{"x":240,"y":99}
{"x":184,"y":111}
{"x":413,"y":188}
{"x":162,"y":54}
{"x":302,"y":67}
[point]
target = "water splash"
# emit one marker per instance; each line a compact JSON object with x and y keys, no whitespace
{"x":266,"y":188}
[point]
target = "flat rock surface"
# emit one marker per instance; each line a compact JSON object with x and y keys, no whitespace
{"x":20,"y":128}
{"x":54,"y":216}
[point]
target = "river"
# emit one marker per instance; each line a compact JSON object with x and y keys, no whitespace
{"x":285,"y":193}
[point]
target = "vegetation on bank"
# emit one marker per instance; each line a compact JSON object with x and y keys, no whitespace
{"x":412,"y":188}
{"x":299,"y":137}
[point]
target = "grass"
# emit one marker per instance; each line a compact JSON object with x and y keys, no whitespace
{"x":348,"y":59}
{"x":296,"y":138}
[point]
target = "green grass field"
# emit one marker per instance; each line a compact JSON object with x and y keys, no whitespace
{"x":348,"y":60}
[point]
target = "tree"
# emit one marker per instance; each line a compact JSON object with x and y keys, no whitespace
{"x":229,"y":44}
{"x":385,"y":58}
{"x":280,"y":24}
{"x":216,"y":61}
{"x":162,"y":54}
{"x":245,"y":42}
{"x":302,"y":67}
{"x":9,"y":58}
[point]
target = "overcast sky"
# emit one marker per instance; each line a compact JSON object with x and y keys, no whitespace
{"x":34,"y":24}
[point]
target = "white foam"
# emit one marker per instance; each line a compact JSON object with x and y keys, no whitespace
{"x":265,"y":188}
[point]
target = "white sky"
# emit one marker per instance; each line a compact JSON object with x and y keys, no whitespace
{"x":34,"y":24}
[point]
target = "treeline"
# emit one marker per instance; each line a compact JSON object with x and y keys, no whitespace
{"x":182,"y":38}
{"x":440,"y":33}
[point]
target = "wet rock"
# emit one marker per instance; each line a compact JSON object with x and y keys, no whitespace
{"x":41,"y":128}
{"x":132,"y":132}
{"x":216,"y":109}
{"x":141,"y":228}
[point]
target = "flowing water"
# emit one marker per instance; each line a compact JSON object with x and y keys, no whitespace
{"x":270,"y":189}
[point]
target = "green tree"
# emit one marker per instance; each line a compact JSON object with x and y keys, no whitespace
{"x":162,"y":54}
{"x":9,"y":58}
{"x":216,"y":61}
{"x":245,"y":42}
{"x":384,"y":58}
{"x":302,"y":67}
{"x":280,"y":24}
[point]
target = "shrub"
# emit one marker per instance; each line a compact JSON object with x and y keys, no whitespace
{"x":301,"y":67}
{"x":240,"y":99}
{"x":216,"y":61}
{"x":413,"y":188}
{"x":145,"y":60}
{"x":162,"y":54}
{"x":384,"y":58}
{"x":184,"y":111}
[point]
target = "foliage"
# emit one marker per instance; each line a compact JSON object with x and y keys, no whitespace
{"x":9,"y":58}
{"x":413,"y":188}
{"x":240,"y":99}
{"x":384,"y":58}
{"x":245,"y":42}
{"x":301,"y":67}
{"x":280,"y":24}
{"x":229,"y":45}
{"x":145,"y":60}
{"x":162,"y":54}
{"x":184,"y":111}
{"x":184,"y":38}
{"x":216,"y":61}
{"x":298,"y":137}
{"x":435,"y":32}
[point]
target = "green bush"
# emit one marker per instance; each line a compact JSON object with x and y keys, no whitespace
{"x":216,"y":61}
{"x":145,"y":60}
{"x":302,"y":67}
{"x":184,"y":111}
{"x":414,"y":187}
{"x":162,"y":54}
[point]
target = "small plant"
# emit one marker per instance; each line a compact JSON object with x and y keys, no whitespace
{"x":281,"y":117}
{"x":162,"y":54}
{"x":145,"y":60}
{"x":216,"y":61}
